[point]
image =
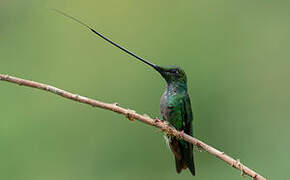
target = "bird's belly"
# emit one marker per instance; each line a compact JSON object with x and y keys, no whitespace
{"x":167,"y":108}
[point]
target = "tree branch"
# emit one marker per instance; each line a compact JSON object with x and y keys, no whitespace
{"x":132,"y":115}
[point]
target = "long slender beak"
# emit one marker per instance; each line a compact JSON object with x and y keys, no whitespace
{"x":157,"y":68}
{"x":147,"y":62}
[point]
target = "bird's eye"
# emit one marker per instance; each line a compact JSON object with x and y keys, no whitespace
{"x":174,"y":71}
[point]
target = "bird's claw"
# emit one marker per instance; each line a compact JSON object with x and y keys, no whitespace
{"x":181,"y":133}
{"x":156,"y":120}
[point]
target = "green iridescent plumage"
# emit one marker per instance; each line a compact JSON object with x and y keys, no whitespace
{"x":174,"y":105}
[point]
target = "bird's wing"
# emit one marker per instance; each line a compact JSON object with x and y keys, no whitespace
{"x":187,"y":115}
{"x":187,"y":148}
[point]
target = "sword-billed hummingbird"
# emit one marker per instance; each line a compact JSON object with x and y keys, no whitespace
{"x":175,"y":105}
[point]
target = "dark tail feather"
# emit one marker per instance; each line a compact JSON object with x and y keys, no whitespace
{"x":188,"y":158}
{"x":183,"y":155}
{"x":178,"y":165}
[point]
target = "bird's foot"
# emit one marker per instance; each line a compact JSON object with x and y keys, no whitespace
{"x":181,"y":133}
{"x":156,"y":120}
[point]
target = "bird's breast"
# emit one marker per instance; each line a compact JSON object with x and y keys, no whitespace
{"x":168,"y":104}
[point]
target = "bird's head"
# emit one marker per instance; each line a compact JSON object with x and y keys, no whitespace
{"x":172,"y":74}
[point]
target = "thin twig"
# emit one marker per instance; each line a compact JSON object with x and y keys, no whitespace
{"x":132,"y":115}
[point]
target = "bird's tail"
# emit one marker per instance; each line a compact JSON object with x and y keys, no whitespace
{"x":183,"y":154}
{"x":188,"y":158}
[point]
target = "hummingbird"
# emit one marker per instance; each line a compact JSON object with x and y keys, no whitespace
{"x":175,"y":105}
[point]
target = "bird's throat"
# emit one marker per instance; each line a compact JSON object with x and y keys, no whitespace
{"x":176,"y":87}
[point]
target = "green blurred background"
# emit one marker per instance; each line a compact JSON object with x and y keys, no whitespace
{"x":235,"y":53}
